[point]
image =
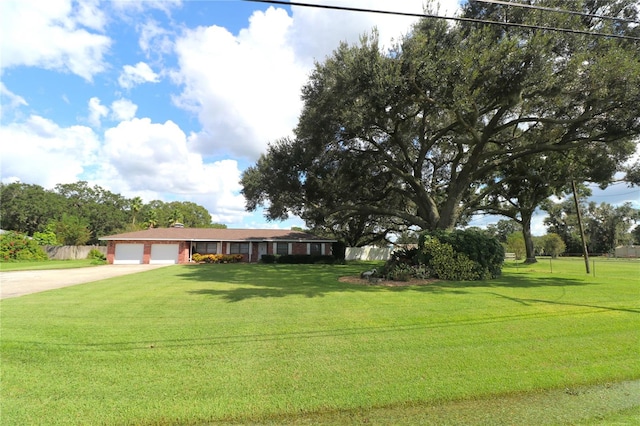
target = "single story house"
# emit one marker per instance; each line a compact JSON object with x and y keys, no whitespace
{"x":177,"y":245}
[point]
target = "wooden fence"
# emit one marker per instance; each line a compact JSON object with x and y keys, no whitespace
{"x":71,"y":252}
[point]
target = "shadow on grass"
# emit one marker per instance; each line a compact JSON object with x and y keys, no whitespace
{"x":235,"y":283}
{"x":531,"y":302}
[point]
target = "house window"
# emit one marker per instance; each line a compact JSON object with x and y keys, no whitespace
{"x":282,"y":248}
{"x":239,"y":248}
{"x":315,"y":248}
{"x":206,"y":248}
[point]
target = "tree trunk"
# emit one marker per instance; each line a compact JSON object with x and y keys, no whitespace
{"x":528,"y":238}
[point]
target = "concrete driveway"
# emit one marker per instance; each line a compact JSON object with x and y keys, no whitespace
{"x":19,"y":283}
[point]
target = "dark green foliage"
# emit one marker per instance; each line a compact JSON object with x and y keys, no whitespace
{"x":400,"y":272}
{"x":305,"y":259}
{"x":72,"y":230}
{"x":268,"y":258}
{"x":28,"y":208}
{"x":84,"y":213}
{"x":339,"y":250}
{"x":484,"y":250}
{"x":443,"y":262}
{"x":461,"y":255}
{"x":19,"y":247}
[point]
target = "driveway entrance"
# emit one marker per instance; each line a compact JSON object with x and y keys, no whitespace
{"x":19,"y":283}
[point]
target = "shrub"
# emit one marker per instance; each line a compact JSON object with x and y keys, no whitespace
{"x":19,"y":247}
{"x":97,"y":257}
{"x":47,"y":238}
{"x":479,"y":247}
{"x":447,"y":264}
{"x":96,"y":254}
{"x":268,"y":258}
{"x":305,"y":259}
{"x":400,"y":272}
{"x":216,"y":258}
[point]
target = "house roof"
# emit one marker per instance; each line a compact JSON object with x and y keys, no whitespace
{"x":212,"y":234}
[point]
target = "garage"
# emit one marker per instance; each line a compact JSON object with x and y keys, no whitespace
{"x":128,"y":254}
{"x":162,"y":254}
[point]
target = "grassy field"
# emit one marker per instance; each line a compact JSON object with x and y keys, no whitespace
{"x":278,"y":344}
{"x":48,"y":264}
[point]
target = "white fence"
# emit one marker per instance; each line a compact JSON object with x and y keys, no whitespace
{"x":71,"y":252}
{"x":368,"y":253}
{"x":628,"y":251}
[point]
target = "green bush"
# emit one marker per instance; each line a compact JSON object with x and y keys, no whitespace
{"x":401,"y":272}
{"x":479,"y":247}
{"x":95,"y":254}
{"x":447,"y":264}
{"x":306,"y":259}
{"x":268,"y":258}
{"x":97,"y":257}
{"x":18,"y":247}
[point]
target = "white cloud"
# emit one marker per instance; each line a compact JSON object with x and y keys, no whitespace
{"x":154,"y":39}
{"x":50,"y":36}
{"x":139,"y":155}
{"x":317,"y":32}
{"x":132,"y":6}
{"x":88,"y":14}
{"x":96,"y":112}
{"x":123,"y":110}
{"x":140,"y":73}
{"x":9,"y":100}
{"x":245,"y":89}
{"x":43,"y":153}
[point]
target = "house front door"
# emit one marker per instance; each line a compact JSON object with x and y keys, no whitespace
{"x":262,"y":249}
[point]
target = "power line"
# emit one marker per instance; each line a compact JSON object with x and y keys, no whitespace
{"x":556,"y":10}
{"x":451,"y":18}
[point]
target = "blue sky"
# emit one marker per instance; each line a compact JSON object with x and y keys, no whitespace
{"x":167,"y":100}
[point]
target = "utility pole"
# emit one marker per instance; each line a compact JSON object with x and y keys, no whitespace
{"x":584,"y":243}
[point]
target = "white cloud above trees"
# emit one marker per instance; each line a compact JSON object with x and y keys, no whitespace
{"x":55,"y":34}
{"x":44,"y":153}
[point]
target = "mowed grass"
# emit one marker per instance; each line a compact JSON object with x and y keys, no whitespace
{"x":275,"y":344}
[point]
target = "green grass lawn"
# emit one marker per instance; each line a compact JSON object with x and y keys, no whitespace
{"x":48,"y":264}
{"x":276,"y":344}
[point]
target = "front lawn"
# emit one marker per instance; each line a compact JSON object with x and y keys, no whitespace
{"x":276,"y":344}
{"x":47,"y":264}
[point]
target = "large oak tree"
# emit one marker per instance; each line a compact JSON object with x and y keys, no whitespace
{"x":415,"y":133}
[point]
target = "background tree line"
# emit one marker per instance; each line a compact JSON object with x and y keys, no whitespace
{"x":77,"y":214}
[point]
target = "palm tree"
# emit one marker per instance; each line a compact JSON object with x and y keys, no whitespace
{"x":152,"y":219}
{"x":136,"y":205}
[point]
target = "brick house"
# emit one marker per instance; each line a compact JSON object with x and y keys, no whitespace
{"x":177,"y":245}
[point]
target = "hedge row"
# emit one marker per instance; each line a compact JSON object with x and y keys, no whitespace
{"x":216,"y":258}
{"x":298,"y":259}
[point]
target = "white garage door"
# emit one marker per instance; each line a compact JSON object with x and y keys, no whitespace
{"x":128,"y":254}
{"x":164,"y":254}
